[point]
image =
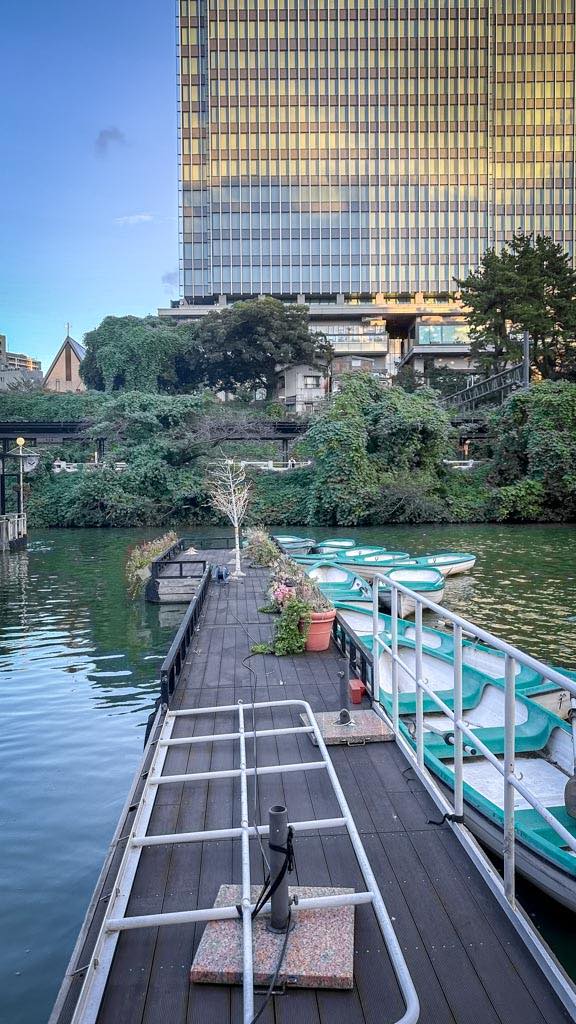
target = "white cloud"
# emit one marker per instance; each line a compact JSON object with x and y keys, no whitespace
{"x":134,"y":218}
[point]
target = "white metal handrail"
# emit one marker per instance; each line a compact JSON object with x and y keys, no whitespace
{"x":13,"y":527}
{"x":116,"y":921}
{"x":506,"y":768}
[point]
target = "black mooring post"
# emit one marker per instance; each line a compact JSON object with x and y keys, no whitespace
{"x":277,"y":843}
{"x":344,"y":675}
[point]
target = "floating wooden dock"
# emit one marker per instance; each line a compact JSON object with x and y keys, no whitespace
{"x":467,"y":961}
{"x":175,"y":575}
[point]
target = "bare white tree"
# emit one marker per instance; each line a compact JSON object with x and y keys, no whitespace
{"x":230,"y":494}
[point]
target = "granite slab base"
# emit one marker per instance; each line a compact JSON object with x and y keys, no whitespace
{"x":366,"y":727}
{"x":320,"y":951}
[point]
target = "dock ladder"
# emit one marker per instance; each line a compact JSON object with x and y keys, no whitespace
{"x":116,"y":921}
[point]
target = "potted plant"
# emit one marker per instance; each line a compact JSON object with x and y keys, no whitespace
{"x":316,"y":626}
{"x":305,"y":614}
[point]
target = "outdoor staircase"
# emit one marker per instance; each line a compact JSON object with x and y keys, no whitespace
{"x":494,"y":389}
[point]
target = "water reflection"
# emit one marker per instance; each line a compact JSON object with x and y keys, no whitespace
{"x":79,"y":669}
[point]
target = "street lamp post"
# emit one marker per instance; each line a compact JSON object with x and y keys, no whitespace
{"x":526,"y":360}
{"x":21,"y":441}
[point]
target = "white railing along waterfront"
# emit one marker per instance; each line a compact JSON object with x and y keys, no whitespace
{"x":506,"y":768}
{"x":12,"y":528}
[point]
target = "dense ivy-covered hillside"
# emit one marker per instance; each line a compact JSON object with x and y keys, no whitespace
{"x":376,"y":457}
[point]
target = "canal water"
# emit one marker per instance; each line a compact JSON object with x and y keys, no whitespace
{"x":79,"y":665}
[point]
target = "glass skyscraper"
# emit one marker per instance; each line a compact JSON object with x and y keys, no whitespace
{"x":369,"y":147}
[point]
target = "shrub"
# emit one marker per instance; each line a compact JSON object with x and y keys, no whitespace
{"x":260,"y":549}
{"x":141,"y":557}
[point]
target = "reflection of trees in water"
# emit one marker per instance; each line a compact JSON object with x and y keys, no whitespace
{"x":72,"y":582}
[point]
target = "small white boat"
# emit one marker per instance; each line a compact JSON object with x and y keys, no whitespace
{"x":294,"y":545}
{"x":333,"y":544}
{"x":368,"y":565}
{"x":543,"y":746}
{"x":427,"y":582}
{"x":448,"y":562}
{"x":339,"y":583}
{"x":360,"y":551}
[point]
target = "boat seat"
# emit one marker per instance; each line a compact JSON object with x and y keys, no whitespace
{"x":531,"y":735}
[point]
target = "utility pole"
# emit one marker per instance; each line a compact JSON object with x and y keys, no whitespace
{"x":526,"y":360}
{"x":20,"y":441}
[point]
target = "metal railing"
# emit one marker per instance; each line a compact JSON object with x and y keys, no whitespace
{"x":13,"y":528}
{"x":512,"y":783}
{"x":115,"y":919}
{"x":501,"y":384}
{"x":225,"y":543}
{"x":173,"y":663}
{"x":167,"y":556}
{"x":175,"y":570}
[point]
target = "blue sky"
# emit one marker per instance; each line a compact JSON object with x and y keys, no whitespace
{"x":88,"y":168}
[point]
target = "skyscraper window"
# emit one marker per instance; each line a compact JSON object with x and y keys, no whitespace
{"x":331,"y":147}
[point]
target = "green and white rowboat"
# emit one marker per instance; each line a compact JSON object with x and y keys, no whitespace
{"x":448,"y":562}
{"x":474,"y":654}
{"x":544,"y":751}
{"x":358,"y":552}
{"x":429,"y":582}
{"x":337,"y":582}
{"x":368,"y":565}
{"x":334,"y":579}
{"x":330,"y":544}
{"x":294,"y":545}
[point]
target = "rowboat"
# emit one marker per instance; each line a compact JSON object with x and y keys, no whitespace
{"x":359,"y":552}
{"x":368,"y":565}
{"x":429,"y":582}
{"x":294,"y":545}
{"x":337,"y":582}
{"x":544,"y":761}
{"x":334,"y":544}
{"x":543,"y":742}
{"x":475,"y":654}
{"x":448,"y":562}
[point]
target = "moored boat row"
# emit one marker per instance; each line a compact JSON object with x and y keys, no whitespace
{"x":370,"y":559}
{"x":543,"y":741}
{"x":545,"y":746}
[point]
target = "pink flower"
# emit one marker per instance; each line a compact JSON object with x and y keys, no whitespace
{"x":282,"y":593}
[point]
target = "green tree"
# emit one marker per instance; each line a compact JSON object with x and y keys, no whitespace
{"x":247,"y":342}
{"x":409,"y":378}
{"x":147,"y":354}
{"x":529,"y":286}
{"x":365,"y":433}
{"x":345,"y":483}
{"x":545,"y":304}
{"x":410,"y":431}
{"x":536,"y":445}
{"x":490,"y":293}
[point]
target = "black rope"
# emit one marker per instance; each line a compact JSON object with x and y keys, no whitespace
{"x":268,"y":889}
{"x":274,"y":979}
{"x":458,"y":818}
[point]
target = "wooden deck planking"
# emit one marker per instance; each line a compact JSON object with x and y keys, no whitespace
{"x":468,"y":964}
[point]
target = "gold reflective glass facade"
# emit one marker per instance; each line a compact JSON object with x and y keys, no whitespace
{"x":330,"y":147}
